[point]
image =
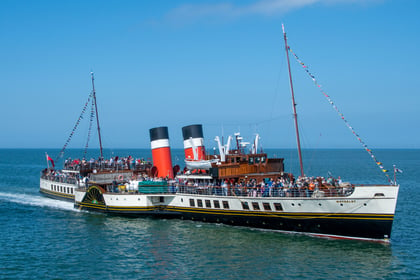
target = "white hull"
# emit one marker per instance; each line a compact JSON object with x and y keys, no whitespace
{"x":367,"y":213}
{"x":57,"y":189}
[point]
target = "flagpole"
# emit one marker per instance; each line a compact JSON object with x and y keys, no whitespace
{"x":395,"y":175}
{"x":46,"y":157}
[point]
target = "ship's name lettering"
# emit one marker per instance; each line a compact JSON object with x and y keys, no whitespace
{"x":346,"y":201}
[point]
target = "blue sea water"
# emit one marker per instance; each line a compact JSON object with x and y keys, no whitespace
{"x":43,"y":238}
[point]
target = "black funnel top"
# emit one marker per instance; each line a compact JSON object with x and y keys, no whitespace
{"x":158,"y":133}
{"x":192,"y":131}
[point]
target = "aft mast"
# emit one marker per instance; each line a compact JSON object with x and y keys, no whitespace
{"x":97,"y":117}
{"x":294,"y":104}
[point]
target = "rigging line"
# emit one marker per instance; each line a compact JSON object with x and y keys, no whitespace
{"x":369,"y":151}
{"x":60,"y":155}
{"x":92,"y":115}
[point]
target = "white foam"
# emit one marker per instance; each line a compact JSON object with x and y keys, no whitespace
{"x":40,"y":201}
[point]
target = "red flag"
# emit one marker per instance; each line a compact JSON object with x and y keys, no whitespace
{"x":50,"y":159}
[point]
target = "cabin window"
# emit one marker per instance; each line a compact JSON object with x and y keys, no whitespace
{"x":71,"y":191}
{"x":278,"y":207}
{"x":161,"y":199}
{"x":52,"y":187}
{"x":255,"y":205}
{"x":192,"y":202}
{"x":216,"y":204}
{"x":225,"y":204}
{"x":61,"y":188}
{"x":379,"y":194}
{"x":263,"y":159}
{"x":257,"y":160}
{"x":267,"y":206}
{"x":251,"y":160}
{"x":199,"y":203}
{"x":245,"y":205}
{"x":208,"y":203}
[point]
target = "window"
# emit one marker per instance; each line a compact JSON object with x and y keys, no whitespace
{"x":199,"y":203}
{"x":225,"y":204}
{"x":216,"y":204}
{"x":71,"y":190}
{"x":161,"y":199}
{"x":52,"y":187}
{"x":278,"y":207}
{"x":267,"y":206}
{"x":245,"y":205}
{"x":255,"y":206}
{"x":192,"y":202}
{"x":208,"y":203}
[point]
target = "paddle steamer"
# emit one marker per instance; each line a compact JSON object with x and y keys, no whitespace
{"x":237,"y":187}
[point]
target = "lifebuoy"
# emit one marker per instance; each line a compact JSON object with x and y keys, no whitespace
{"x":120,"y":177}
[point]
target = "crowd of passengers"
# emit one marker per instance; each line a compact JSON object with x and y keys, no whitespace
{"x":94,"y":165}
{"x":281,"y":187}
{"x":285,"y":186}
{"x":58,"y":176}
{"x":113,"y":163}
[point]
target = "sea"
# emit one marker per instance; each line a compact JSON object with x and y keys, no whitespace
{"x":42,"y":238}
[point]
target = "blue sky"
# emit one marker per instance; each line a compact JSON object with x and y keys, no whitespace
{"x":217,"y":63}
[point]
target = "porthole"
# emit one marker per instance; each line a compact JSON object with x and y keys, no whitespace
{"x":319,"y":204}
{"x":293,"y":204}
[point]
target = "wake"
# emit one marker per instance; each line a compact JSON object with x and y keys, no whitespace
{"x":38,"y":201}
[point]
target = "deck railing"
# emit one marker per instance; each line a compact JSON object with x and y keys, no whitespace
{"x":231,"y":191}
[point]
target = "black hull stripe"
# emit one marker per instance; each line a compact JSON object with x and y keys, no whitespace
{"x":371,"y":228}
{"x":57,"y":195}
